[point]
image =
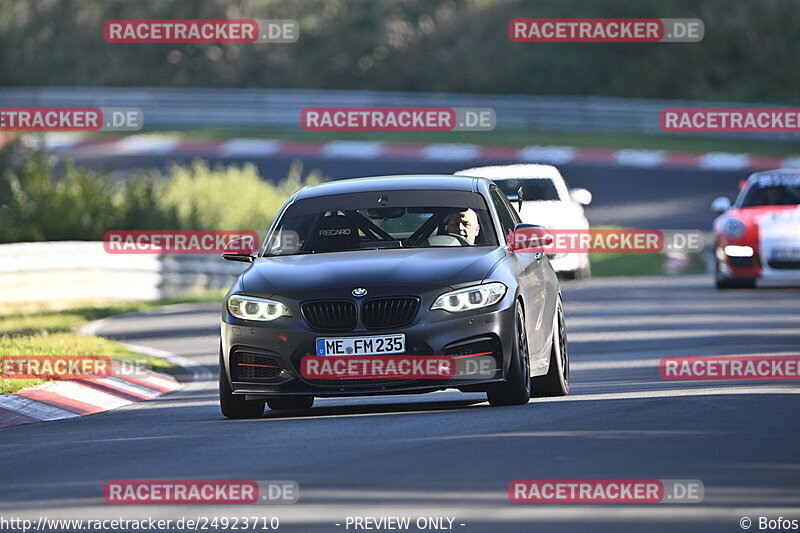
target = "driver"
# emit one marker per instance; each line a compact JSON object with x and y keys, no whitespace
{"x":463,"y":223}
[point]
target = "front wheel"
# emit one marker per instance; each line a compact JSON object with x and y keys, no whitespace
{"x":235,"y":406}
{"x":516,"y":390}
{"x":556,"y":381}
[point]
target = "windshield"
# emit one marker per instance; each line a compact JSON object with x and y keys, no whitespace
{"x":533,"y":189}
{"x":407,"y":219}
{"x":772,"y":190}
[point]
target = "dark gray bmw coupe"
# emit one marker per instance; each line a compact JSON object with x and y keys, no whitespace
{"x":396,"y":266}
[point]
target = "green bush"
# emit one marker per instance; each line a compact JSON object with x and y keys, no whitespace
{"x":82,"y":204}
{"x":232,"y":198}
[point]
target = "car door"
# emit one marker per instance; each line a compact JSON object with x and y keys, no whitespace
{"x":539,"y":299}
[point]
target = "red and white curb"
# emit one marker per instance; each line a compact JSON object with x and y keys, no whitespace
{"x":164,"y":145}
{"x":56,"y":400}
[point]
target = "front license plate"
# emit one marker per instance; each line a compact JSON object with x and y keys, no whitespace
{"x":786,"y":254}
{"x":374,"y":345}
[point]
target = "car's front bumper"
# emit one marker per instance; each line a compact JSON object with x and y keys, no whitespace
{"x":762,"y":264}
{"x":288,"y":339}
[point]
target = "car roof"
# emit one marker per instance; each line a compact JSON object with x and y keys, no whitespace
{"x":391,"y":183}
{"x":501,"y":172}
{"x":777,"y":172}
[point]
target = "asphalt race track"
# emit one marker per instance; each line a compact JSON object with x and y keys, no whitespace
{"x":450,"y":454}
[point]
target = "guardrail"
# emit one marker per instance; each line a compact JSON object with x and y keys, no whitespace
{"x":186,"y":107}
{"x":76,"y":271}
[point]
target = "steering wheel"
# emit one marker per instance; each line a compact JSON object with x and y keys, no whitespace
{"x":461,"y":240}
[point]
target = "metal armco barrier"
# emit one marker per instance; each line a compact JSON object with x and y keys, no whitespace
{"x":189,"y":108}
{"x":75,"y":271}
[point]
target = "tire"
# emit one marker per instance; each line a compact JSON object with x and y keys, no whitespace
{"x":736,"y":283}
{"x":516,"y":390}
{"x":556,"y":381}
{"x":234,"y":406}
{"x":291,"y":402}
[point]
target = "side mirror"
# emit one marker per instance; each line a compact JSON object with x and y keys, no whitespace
{"x":581,"y":196}
{"x":516,"y":198}
{"x":240,"y":249}
{"x":526,"y":236}
{"x":721,"y":204}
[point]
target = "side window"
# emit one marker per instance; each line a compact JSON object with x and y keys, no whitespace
{"x":508,"y":217}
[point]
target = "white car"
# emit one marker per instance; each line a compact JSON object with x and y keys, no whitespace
{"x":546,"y":201}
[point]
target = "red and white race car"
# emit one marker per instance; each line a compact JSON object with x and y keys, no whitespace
{"x":759,"y":236}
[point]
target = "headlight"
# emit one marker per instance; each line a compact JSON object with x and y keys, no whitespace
{"x":738,"y":251}
{"x":250,"y":308}
{"x":734,"y":227}
{"x":471,"y":297}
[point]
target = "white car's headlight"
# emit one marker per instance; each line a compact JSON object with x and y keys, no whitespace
{"x":251,"y":308}
{"x":470,"y":298}
{"x":738,"y":251}
{"x":734,"y":227}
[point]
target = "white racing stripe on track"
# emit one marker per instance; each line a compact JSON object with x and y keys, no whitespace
{"x":656,"y":334}
{"x":724,"y":161}
{"x":547,"y":154}
{"x":607,"y":365}
{"x":116,"y":383}
{"x":155,"y":379}
{"x":450,"y":152}
{"x":249,"y":147}
{"x":33,"y":409}
{"x":672,"y":393}
{"x":146,"y":145}
{"x":80,"y":393}
{"x":639,"y":158}
{"x":352,"y":149}
{"x":53,"y":140}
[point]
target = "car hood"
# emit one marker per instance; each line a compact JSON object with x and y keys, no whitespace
{"x":414,"y":269}
{"x":753,"y":216}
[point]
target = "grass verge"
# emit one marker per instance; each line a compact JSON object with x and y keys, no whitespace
{"x":38,"y":331}
{"x":642,"y":264}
